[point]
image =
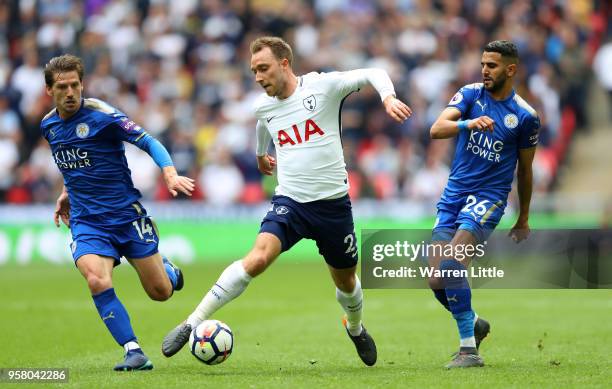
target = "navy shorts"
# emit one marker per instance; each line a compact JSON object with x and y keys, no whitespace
{"x":328,"y":222}
{"x":476,"y":213}
{"x":136,"y":238}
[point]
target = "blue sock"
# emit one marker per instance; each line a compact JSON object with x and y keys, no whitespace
{"x":465,"y":323}
{"x":114,"y":315}
{"x":171,"y":273}
{"x":459,"y":297}
{"x":441,"y":297}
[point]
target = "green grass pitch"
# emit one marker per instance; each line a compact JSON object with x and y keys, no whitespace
{"x":288,"y":333}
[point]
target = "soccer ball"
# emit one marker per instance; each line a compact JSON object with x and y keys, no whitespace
{"x":211,"y":342}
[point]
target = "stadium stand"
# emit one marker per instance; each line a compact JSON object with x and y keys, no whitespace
{"x":179,"y":68}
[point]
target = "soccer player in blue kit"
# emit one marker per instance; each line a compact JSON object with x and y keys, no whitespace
{"x":495,"y":128}
{"x":99,"y":202}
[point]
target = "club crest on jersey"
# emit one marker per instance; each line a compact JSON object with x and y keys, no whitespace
{"x":282,"y":210}
{"x":310,"y":103}
{"x":457,"y":98}
{"x":510,"y":121}
{"x":82,"y":130}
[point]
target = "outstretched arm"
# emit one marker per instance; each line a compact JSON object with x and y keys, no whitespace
{"x":448,"y":124}
{"x":379,"y":79}
{"x":524,"y":177}
{"x":158,"y":152}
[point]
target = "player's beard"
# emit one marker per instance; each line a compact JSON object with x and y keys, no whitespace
{"x":278,"y":86}
{"x":497,"y":84}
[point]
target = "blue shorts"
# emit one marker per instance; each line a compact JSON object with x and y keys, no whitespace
{"x":328,"y":222}
{"x":136,"y":238}
{"x":476,"y":213}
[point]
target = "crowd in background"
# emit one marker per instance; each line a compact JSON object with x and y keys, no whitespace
{"x":181,"y":70}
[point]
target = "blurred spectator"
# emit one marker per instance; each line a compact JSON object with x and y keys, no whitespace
{"x":29,"y":81}
{"x":9,"y":121}
{"x":573,"y":66}
{"x":381,"y":164}
{"x":221,"y":180}
{"x":602,"y":63}
{"x":548,"y":105}
{"x":10,"y":139}
{"x":430,"y":180}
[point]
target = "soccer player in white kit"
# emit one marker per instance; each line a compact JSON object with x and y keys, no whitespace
{"x":301,"y":115}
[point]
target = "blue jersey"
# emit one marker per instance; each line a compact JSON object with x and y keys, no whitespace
{"x":88,"y":149}
{"x":485,"y":161}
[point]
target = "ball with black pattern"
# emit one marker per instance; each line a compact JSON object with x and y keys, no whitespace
{"x":211,"y":342}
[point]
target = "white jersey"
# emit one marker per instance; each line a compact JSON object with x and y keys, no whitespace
{"x":305,"y":128}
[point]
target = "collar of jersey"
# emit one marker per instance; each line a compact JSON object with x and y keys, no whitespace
{"x":504,"y":100}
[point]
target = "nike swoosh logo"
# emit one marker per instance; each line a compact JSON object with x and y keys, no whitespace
{"x":270,"y":119}
{"x":149,"y":240}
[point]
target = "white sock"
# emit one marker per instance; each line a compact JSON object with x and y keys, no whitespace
{"x":232,"y":282}
{"x":352,"y":303}
{"x":131,"y":346}
{"x":468,"y":342}
{"x":475,"y":317}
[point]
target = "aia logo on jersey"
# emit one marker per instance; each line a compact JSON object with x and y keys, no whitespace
{"x":310,"y":103}
{"x":310,"y":129}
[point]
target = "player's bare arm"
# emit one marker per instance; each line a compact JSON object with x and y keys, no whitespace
{"x":266,"y":164}
{"x":62,"y":209}
{"x":176,"y":183}
{"x":397,"y":109}
{"x":447,"y":125}
{"x":524,"y":176}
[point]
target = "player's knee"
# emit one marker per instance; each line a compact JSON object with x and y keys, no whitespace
{"x":160,"y":293}
{"x":453,"y":274}
{"x":98,"y":284}
{"x":435,"y":283}
{"x":345,"y":283}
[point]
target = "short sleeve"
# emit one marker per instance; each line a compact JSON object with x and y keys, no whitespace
{"x":126,"y":129}
{"x":463,"y":100}
{"x":530,"y":132}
